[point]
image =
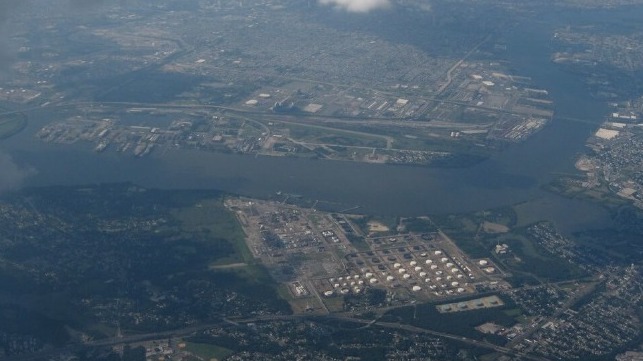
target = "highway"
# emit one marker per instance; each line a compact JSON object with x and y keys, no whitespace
{"x":458,"y":63}
{"x":116,"y":341}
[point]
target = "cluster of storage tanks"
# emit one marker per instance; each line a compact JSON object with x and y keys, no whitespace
{"x":352,"y":283}
{"x":435,"y":273}
{"x":484,"y":264}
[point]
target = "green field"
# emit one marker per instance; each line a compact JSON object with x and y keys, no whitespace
{"x":419,"y":225}
{"x":530,"y":259}
{"x":358,"y":242}
{"x":333,"y":136}
{"x":210,"y":217}
{"x":207,"y":352}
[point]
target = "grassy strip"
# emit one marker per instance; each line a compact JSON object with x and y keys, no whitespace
{"x":207,"y":352}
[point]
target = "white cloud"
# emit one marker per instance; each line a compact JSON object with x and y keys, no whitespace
{"x":358,"y":6}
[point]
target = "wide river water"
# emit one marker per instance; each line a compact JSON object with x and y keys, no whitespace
{"x":515,"y":175}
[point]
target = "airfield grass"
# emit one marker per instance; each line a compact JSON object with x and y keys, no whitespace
{"x":307,"y":133}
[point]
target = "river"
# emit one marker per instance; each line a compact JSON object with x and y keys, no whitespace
{"x":512,"y":176}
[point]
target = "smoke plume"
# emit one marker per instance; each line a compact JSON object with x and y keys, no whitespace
{"x":12,"y":175}
{"x":357,"y":6}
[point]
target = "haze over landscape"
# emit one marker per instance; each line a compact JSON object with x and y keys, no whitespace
{"x":321,"y":180}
